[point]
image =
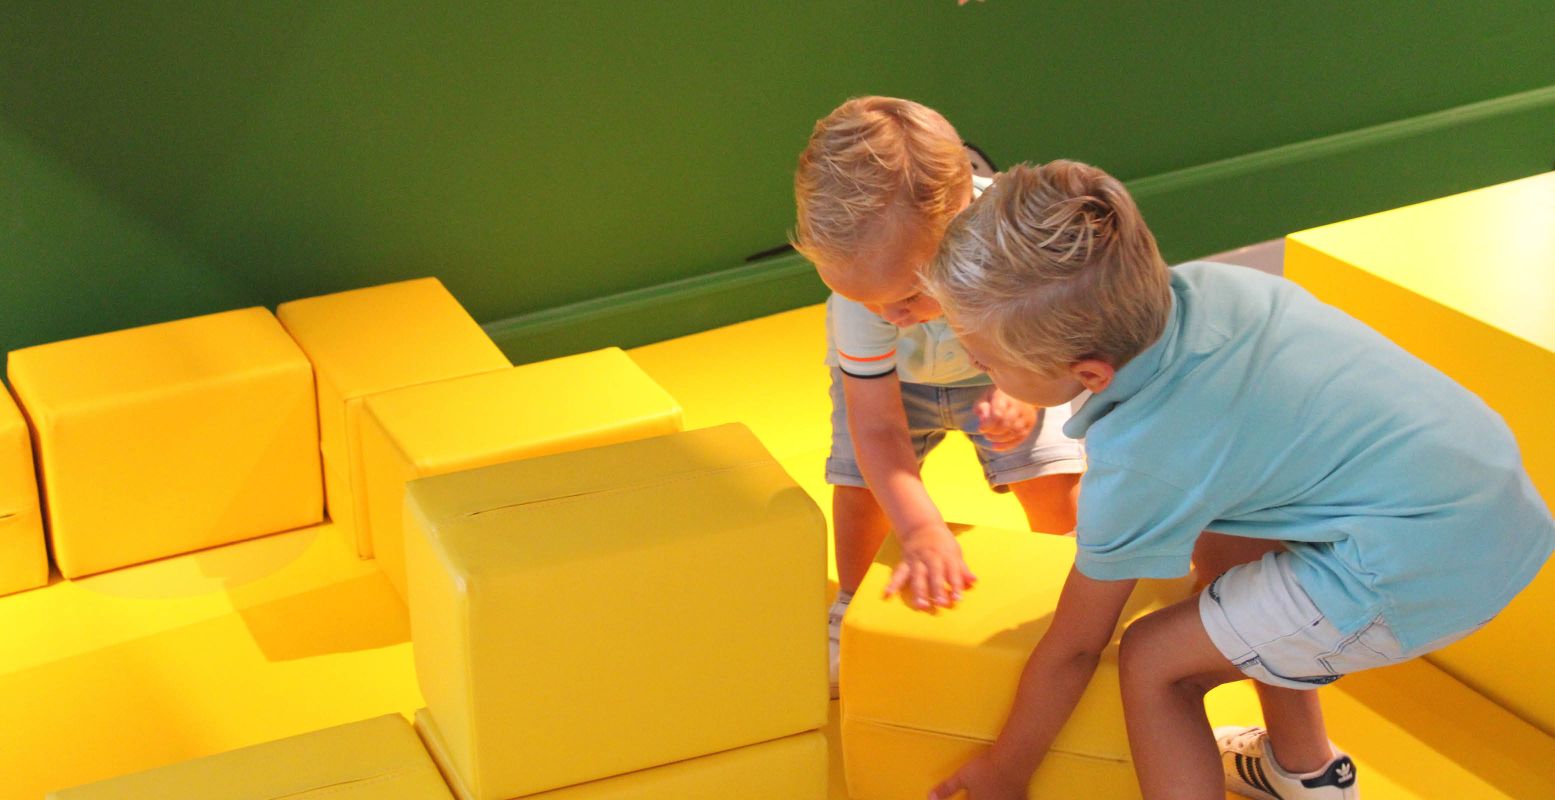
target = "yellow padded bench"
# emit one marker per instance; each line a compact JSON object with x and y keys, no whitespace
{"x":24,"y":559}
{"x":376,"y":759}
{"x":533,"y":410}
{"x":922,"y":694}
{"x":171,"y":438}
{"x":594,"y":613}
{"x":371,"y":340}
{"x":1467,"y":283}
{"x":791,"y":768}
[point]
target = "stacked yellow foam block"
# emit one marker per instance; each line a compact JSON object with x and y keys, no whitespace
{"x":376,"y":759}
{"x":641,"y":620}
{"x":372,"y":340}
{"x":1467,"y":283}
{"x":24,"y":560}
{"x":170,"y":438}
{"x":923,"y":693}
{"x":537,"y":409}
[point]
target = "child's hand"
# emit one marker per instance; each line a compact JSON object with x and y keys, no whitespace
{"x":981,"y":779}
{"x":1003,"y":420}
{"x":931,"y":568}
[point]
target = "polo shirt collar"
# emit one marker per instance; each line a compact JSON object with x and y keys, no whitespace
{"x":1134,"y":376}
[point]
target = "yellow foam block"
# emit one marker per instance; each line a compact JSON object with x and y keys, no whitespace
{"x":24,"y":560}
{"x":594,"y":613}
{"x":372,"y":340}
{"x":376,"y":759}
{"x":923,"y":692}
{"x":534,"y":410}
{"x":1467,"y":283}
{"x":171,"y":438}
{"x":791,"y":768}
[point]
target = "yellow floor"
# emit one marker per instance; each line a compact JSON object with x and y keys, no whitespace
{"x":243,"y":644}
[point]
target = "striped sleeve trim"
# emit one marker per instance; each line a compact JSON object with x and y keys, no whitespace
{"x":868,"y":359}
{"x":891,"y":371}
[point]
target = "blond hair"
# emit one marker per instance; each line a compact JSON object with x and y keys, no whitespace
{"x":870,"y":158}
{"x":1053,"y":264}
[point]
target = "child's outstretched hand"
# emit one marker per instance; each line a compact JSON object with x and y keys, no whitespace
{"x":1003,"y":420}
{"x":981,"y":779}
{"x":932,"y":569}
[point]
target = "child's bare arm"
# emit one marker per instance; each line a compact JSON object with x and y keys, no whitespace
{"x":1050,"y":686}
{"x":931,"y":567}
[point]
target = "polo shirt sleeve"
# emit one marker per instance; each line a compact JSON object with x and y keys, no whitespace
{"x":1135,"y":525}
{"x":865,"y":343}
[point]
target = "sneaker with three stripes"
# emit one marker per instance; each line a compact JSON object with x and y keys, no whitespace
{"x":1251,"y":771}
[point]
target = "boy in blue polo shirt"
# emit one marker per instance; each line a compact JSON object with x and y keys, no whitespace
{"x":1398,"y":513}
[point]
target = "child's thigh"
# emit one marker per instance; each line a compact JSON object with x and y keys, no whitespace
{"x":1171,"y":645}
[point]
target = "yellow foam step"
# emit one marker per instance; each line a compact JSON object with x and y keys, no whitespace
{"x":533,"y":410}
{"x":170,"y":438}
{"x":609,"y":610}
{"x":24,"y":560}
{"x":791,"y":768}
{"x":376,"y":759}
{"x":371,"y":340}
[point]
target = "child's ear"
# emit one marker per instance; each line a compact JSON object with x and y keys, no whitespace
{"x":982,"y":165}
{"x":1093,"y":373}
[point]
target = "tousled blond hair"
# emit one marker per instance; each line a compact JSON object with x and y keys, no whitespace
{"x":867,"y":161}
{"x":1053,"y":264}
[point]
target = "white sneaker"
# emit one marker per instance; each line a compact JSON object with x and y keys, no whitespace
{"x":834,"y":642}
{"x":1251,"y":771}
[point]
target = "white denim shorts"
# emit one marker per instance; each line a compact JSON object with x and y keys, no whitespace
{"x":1264,"y":623}
{"x":933,"y":411}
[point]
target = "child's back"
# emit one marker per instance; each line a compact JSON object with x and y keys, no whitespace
{"x":1265,"y":413}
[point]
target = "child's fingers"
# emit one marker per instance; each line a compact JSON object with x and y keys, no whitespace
{"x":948,"y":788}
{"x":899,"y":578}
{"x":920,"y":586}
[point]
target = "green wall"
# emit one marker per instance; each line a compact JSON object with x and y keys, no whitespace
{"x":595,"y":172}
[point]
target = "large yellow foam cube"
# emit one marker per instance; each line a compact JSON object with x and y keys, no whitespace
{"x":170,"y":438}
{"x":371,"y":340}
{"x":791,"y":768}
{"x":376,"y":759}
{"x":594,"y":613}
{"x":24,"y":560}
{"x":533,"y":410}
{"x":1467,"y":283}
{"x":924,"y":693}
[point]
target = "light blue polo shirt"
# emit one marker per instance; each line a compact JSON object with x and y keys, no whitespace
{"x":1262,"y":412}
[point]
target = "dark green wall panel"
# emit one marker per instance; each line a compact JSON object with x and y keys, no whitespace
{"x":169,"y":158}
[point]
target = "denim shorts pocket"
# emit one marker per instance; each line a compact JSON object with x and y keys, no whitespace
{"x":1374,"y":645}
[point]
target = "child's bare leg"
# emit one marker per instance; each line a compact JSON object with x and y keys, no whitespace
{"x":859,"y":526}
{"x":1294,"y":720}
{"x":1049,"y":501}
{"x":1167,"y":665}
{"x":1215,"y":553}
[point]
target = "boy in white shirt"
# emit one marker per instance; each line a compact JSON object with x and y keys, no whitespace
{"x":875,"y":188}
